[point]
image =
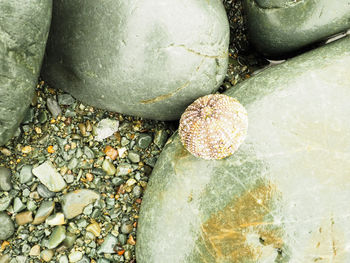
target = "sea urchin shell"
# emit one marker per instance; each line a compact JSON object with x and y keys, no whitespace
{"x":214,"y":126}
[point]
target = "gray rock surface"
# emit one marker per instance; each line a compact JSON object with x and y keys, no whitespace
{"x":279,"y":27}
{"x":5,"y":179}
{"x":24,"y":26}
{"x":7,"y":227}
{"x":118,"y":56}
{"x":283,"y":196}
{"x":49,"y":177}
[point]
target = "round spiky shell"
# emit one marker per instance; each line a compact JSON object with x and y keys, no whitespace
{"x":214,"y":126}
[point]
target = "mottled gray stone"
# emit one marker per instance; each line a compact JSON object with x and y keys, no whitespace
{"x":23,"y":33}
{"x":44,"y":192}
{"x":45,"y":209}
{"x":48,"y":176}
{"x":280,"y":27}
{"x":74,"y":202}
{"x":56,"y":237}
{"x":7,"y":227}
{"x":283,"y":196}
{"x":26,"y":174}
{"x":118,"y":57}
{"x":5,"y":179}
{"x":108,"y":245}
{"x":53,"y":107}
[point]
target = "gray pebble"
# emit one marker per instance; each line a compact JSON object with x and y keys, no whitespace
{"x":73,"y":163}
{"x":65,"y":99}
{"x":53,"y":107}
{"x":84,"y":260}
{"x":57,"y":236}
{"x":5,"y":202}
{"x":137,"y":191}
{"x":5,"y":179}
{"x":144,"y":140}
{"x":122,"y":239}
{"x":26,"y":174}
{"x":126,"y":228}
{"x":44,"y":192}
{"x":42,"y":117}
{"x":89,"y":153}
{"x":18,"y":205}
{"x":7,"y":227}
{"x":63,"y":259}
{"x":134,"y":157}
{"x":108,"y":245}
{"x":160,"y":138}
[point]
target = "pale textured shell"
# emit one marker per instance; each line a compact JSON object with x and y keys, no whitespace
{"x":214,"y":126}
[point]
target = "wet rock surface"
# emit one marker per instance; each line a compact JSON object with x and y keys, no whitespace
{"x":282,"y":196}
{"x":116,"y":56}
{"x":23,"y":34}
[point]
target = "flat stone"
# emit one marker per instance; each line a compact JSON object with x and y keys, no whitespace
{"x":26,"y":174}
{"x":144,"y":140}
{"x":24,"y":29}
{"x":108,"y":245}
{"x":5,"y":202}
{"x":106,"y":128}
{"x":108,"y":167}
{"x":7,"y":227}
{"x":56,"y":219}
{"x":46,"y":255}
{"x":94,"y":228}
{"x":34,"y":251}
{"x":56,"y":237}
{"x":24,"y":218}
{"x":283,"y":196}
{"x":65,"y":99}
{"x":74,"y":202}
{"x":69,"y":240}
{"x":75,"y":256}
{"x":160,"y":138}
{"x":18,"y":205}
{"x":124,"y":169}
{"x":5,"y":179}
{"x":43,"y":212}
{"x":49,"y":177}
{"x":279,"y":27}
{"x":151,"y":66}
{"x":53,"y":107}
{"x":133,"y":156}
{"x":44,"y":192}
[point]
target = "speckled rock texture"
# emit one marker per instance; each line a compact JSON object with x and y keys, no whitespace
{"x":283,"y":196}
{"x":280,"y":27}
{"x":24,"y":26}
{"x":145,"y":58}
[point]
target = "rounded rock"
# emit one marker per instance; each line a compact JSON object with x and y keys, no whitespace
{"x":5,"y":179}
{"x":7,"y":227}
{"x":117,"y":57}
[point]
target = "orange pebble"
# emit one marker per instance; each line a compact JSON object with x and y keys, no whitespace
{"x":121,"y":252}
{"x":50,"y":149}
{"x":111,"y":152}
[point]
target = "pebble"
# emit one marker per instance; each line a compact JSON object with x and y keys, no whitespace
{"x":89,"y":153}
{"x":111,"y":152}
{"x":73,"y":163}
{"x":108,"y":245}
{"x":43,"y":212}
{"x":46,"y":255}
{"x":63,"y":259}
{"x":137,"y":191}
{"x":7,"y":227}
{"x":108,"y":167}
{"x":105,"y":128}
{"x":5,"y":179}
{"x":26,"y":174}
{"x":18,"y":205}
{"x":56,"y":219}
{"x":75,"y":256}
{"x":34,"y":251}
{"x":69,"y":240}
{"x":74,"y":202}
{"x":94,"y":228}
{"x":65,"y":99}
{"x":57,"y":236}
{"x":5,"y":258}
{"x":5,"y":202}
{"x":124,"y":169}
{"x":134,"y":157}
{"x":160,"y":138}
{"x":53,"y":107}
{"x":24,"y":218}
{"x":44,"y":192}
{"x":144,"y":140}
{"x":126,"y":228}
{"x":49,"y":177}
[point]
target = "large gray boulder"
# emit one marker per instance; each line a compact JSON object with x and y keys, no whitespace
{"x":146,"y":58}
{"x":279,"y":27}
{"x":283,"y":196}
{"x":24,"y":26}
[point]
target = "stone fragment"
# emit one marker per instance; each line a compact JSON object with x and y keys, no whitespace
{"x":144,"y":140}
{"x":24,"y":218}
{"x":7,"y":227}
{"x":34,"y":251}
{"x":5,"y":202}
{"x":124,"y":169}
{"x":49,"y":177}
{"x":151,"y":66}
{"x":94,"y":228}
{"x":5,"y":179}
{"x":75,"y":256}
{"x":280,"y":27}
{"x":134,"y":156}
{"x":46,"y":255}
{"x":105,"y":128}
{"x":160,"y":138}
{"x":108,"y":245}
{"x":18,"y":205}
{"x":108,"y":167}
{"x":283,"y":196}
{"x":24,"y":29}
{"x":65,"y":99}
{"x":74,"y":202}
{"x":56,"y":237}
{"x":56,"y":219}
{"x":43,"y":212}
{"x":69,"y":240}
{"x":26,"y":174}
{"x":44,"y":192}
{"x":53,"y":107}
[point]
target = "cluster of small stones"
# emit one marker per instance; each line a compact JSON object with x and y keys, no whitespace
{"x":72,"y":180}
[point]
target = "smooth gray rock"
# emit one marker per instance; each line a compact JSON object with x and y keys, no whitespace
{"x":278,"y":27}
{"x":7,"y":227}
{"x":26,"y":174}
{"x":48,"y":176}
{"x":283,"y":196}
{"x":5,"y":179}
{"x":24,"y":26}
{"x":144,"y":58}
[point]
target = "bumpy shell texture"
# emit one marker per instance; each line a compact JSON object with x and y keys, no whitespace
{"x":214,"y":126}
